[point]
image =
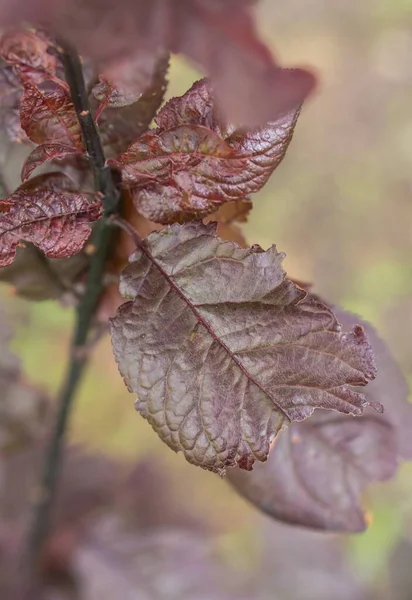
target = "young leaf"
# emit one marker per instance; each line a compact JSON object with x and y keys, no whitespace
{"x":222,"y":350}
{"x":57,"y":222}
{"x":43,"y":153}
{"x":47,"y":115}
{"x":186,"y":169}
{"x":317,"y":470}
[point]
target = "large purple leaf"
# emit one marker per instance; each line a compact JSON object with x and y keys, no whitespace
{"x":222,"y":350}
{"x":57,"y":222}
{"x":317,"y":470}
{"x":194,"y":162}
{"x":218,"y":35}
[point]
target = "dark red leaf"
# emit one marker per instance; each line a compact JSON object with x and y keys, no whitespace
{"x":218,"y":35}
{"x":48,"y":115}
{"x":57,"y":222}
{"x":317,"y":470}
{"x":184,"y":170}
{"x":222,"y":350}
{"x":43,"y":153}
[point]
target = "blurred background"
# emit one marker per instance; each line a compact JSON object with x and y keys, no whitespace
{"x":340,"y":207}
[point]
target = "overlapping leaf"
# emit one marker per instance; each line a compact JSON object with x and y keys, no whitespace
{"x":120,"y":126}
{"x":317,"y":470}
{"x":218,"y":35}
{"x":222,"y":350}
{"x":193,"y":162}
{"x":57,"y":222}
{"x":48,"y":116}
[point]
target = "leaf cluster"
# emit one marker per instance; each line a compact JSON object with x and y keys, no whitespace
{"x":230,"y":360}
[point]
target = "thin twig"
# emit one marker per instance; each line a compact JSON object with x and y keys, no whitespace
{"x":101,"y":241}
{"x":127,"y":228}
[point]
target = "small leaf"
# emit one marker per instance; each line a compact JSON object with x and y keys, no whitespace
{"x":26,"y":50}
{"x":130,"y":80}
{"x":119,"y":127}
{"x":57,"y":222}
{"x":48,"y":115}
{"x":189,"y":170}
{"x":43,"y":153}
{"x":317,"y":470}
{"x":222,"y":350}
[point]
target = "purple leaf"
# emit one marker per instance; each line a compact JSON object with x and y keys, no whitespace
{"x":194,"y":162}
{"x":57,"y":222}
{"x":317,"y":470}
{"x":222,"y":350}
{"x":218,"y":35}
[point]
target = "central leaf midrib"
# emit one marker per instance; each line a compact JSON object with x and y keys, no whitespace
{"x":209,"y":329}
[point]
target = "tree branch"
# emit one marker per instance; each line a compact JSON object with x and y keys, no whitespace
{"x":101,"y":240}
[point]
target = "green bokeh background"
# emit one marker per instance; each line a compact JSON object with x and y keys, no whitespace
{"x":339,"y":206}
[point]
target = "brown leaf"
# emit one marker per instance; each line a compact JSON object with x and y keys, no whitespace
{"x":221,"y":349}
{"x":57,"y":222}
